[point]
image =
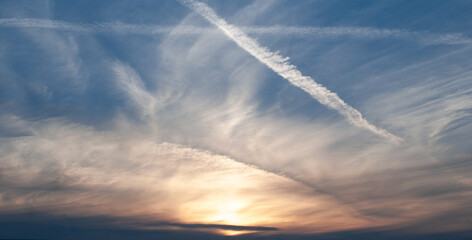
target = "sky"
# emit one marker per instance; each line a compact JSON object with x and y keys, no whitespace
{"x":257,"y":119}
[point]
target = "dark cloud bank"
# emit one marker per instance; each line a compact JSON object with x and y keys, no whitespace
{"x":34,"y":225}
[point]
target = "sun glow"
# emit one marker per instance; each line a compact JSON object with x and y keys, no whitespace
{"x":233,"y":232}
{"x":228,"y":212}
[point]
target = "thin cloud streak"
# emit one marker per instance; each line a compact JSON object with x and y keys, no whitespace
{"x":214,"y":226}
{"x":362,"y":33}
{"x":281,"y":66}
{"x":319,"y":32}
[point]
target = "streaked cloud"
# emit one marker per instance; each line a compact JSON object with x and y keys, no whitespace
{"x":168,"y":182}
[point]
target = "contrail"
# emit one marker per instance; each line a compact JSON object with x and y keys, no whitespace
{"x":281,"y":66}
{"x":361,"y":33}
{"x":366,"y":33}
{"x":100,"y":27}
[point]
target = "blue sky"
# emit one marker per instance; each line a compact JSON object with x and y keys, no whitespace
{"x":176,"y":116}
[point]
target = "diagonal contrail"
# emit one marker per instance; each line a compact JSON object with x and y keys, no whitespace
{"x":282,"y":66}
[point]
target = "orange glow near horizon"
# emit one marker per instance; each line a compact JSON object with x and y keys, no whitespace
{"x":205,"y":188}
{"x":233,"y":232}
{"x":256,"y":198}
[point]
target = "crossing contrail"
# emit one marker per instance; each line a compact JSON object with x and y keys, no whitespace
{"x":282,"y":66}
{"x":363,"y":33}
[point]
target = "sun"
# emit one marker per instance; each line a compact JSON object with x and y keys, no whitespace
{"x":234,"y":232}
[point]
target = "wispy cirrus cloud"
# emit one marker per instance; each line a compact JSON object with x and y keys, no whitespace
{"x":172,"y":185}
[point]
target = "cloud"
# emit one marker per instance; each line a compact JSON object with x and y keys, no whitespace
{"x":71,"y":170}
{"x":132,"y":85}
{"x":217,"y":226}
